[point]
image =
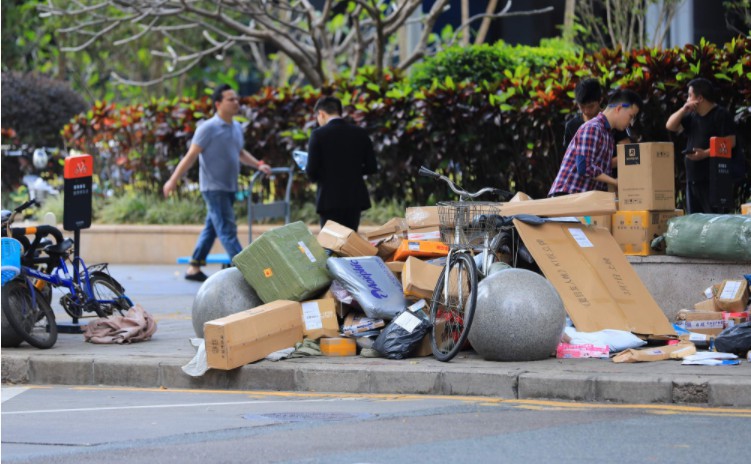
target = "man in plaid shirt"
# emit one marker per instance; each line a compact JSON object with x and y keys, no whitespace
{"x":588,"y":162}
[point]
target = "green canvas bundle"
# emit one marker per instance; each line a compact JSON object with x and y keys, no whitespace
{"x":286,"y":263}
{"x":715,"y":236}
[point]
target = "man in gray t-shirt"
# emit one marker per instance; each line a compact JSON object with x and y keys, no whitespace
{"x":218,"y":145}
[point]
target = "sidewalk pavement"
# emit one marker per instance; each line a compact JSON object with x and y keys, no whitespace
{"x":163,"y":292}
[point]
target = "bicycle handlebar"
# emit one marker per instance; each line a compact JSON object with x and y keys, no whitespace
{"x":462,"y":193}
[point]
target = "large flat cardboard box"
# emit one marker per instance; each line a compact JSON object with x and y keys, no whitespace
{"x":344,"y":241}
{"x":578,"y":204}
{"x":635,"y":230}
{"x":248,"y":336}
{"x":419,"y":278}
{"x":422,"y":216}
{"x":703,"y":322}
{"x":599,"y":288}
{"x":646,"y":176}
{"x":732,"y":296}
{"x":319,"y":318}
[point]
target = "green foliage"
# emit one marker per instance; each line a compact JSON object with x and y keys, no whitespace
{"x":382,"y":211}
{"x":505,"y":134}
{"x":37,"y":107}
{"x":487,"y":63}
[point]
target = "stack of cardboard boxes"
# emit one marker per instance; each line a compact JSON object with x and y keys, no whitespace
{"x":725,"y":306}
{"x":646,"y":195}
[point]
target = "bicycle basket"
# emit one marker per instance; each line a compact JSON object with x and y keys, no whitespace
{"x":11,"y":260}
{"x":464,"y":224}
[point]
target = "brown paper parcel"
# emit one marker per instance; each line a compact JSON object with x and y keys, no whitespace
{"x":660,"y":353}
{"x":578,"y":204}
{"x":599,"y":288}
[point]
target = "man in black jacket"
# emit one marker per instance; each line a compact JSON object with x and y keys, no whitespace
{"x":339,"y":155}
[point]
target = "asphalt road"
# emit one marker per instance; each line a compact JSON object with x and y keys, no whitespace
{"x":124,"y":425}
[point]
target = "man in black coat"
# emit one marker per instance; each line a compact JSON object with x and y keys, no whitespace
{"x":339,"y":155}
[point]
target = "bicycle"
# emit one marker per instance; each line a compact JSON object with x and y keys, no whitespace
{"x":466,"y":227}
{"x":43,"y":266}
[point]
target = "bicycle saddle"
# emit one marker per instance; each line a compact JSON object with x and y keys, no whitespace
{"x":59,"y":248}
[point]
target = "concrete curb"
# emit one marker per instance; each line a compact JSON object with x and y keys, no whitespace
{"x":422,"y":377}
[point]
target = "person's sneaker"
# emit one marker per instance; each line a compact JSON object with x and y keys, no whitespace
{"x":197,"y":277}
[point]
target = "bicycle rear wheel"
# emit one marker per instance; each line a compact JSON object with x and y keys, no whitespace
{"x":109,"y":294}
{"x":31,"y":318}
{"x":453,"y":308}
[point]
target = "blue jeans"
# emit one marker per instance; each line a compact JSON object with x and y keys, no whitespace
{"x":220,"y":222}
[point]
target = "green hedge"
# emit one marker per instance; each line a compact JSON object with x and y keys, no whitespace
{"x":506,"y":133}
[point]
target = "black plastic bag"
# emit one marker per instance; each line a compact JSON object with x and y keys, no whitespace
{"x":404,"y":333}
{"x":736,"y":339}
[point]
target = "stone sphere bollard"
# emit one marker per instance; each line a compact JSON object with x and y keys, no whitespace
{"x":519,"y":317}
{"x":222,"y":294}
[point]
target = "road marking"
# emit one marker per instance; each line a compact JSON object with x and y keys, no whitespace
{"x":11,"y":392}
{"x":151,"y":406}
{"x":482,"y":400}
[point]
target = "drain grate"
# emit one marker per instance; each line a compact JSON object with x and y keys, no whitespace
{"x":306,"y":416}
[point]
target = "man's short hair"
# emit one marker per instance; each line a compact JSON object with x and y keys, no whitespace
{"x":218,"y":94}
{"x":329,"y":105}
{"x":625,"y":97}
{"x":704,"y":88}
{"x":587,"y":91}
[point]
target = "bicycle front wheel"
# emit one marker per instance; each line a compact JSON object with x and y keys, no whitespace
{"x":109,"y":294}
{"x":453,"y":307}
{"x":31,"y":318}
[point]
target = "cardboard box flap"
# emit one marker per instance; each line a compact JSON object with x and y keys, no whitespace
{"x":395,"y":226}
{"x":578,"y":204}
{"x":344,"y":241}
{"x":599,"y":288}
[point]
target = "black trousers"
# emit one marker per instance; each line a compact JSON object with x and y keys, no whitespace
{"x":346,"y":217}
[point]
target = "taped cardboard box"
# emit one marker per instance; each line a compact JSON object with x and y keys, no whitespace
{"x":635,"y":230}
{"x":678,"y":351}
{"x":706,"y":305}
{"x":646,"y":176}
{"x":248,"y":336}
{"x":356,"y":322}
{"x":602,"y":220}
{"x":578,"y":204}
{"x":419,"y":278}
{"x":422,"y":216}
{"x":599,"y":288}
{"x":396,"y":267}
{"x":344,"y":241}
{"x":338,"y":346}
{"x":432,"y":233}
{"x":319,"y":318}
{"x":423,"y":249}
{"x":733,"y":319}
{"x":388,"y":237}
{"x":732,"y":295}
{"x":703,"y":322}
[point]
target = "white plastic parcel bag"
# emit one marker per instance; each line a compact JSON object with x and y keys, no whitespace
{"x":371,"y":283}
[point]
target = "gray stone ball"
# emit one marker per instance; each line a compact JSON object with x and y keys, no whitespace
{"x":222,"y":294}
{"x":519,"y":317}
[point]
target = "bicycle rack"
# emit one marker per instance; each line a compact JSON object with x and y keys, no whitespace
{"x":274,"y":209}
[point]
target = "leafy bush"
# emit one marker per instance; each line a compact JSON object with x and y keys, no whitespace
{"x":37,"y":107}
{"x":487,"y":63}
{"x":506,"y":134}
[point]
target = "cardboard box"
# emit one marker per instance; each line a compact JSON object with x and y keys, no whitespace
{"x":602,"y":220}
{"x":419,"y":278}
{"x":341,"y":309}
{"x":423,"y":349}
{"x":319,"y":318}
{"x":732,"y":296}
{"x":733,"y":319}
{"x":432,"y":233}
{"x":599,"y":288}
{"x":706,"y":305}
{"x":344,"y":241}
{"x":420,"y":249}
{"x":746,"y":209}
{"x":635,"y":230}
{"x":568,"y":351}
{"x":721,"y":185}
{"x":356,"y":322}
{"x":248,"y":336}
{"x":677,"y":351}
{"x":388,"y":237}
{"x":396,"y":267}
{"x":578,"y":204}
{"x":338,"y":346}
{"x":646,"y":176}
{"x":703,"y":322}
{"x":422,"y":216}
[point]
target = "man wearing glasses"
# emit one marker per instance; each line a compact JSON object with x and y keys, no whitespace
{"x":588,"y":162}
